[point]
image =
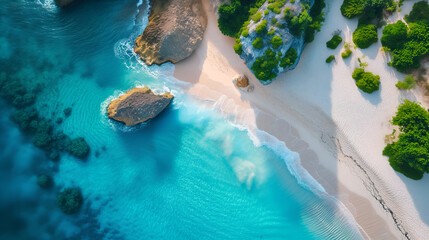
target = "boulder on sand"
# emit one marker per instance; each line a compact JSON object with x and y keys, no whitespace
{"x":138,"y":105}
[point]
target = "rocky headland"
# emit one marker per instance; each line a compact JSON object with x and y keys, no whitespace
{"x":138,"y":105}
{"x":176,"y":28}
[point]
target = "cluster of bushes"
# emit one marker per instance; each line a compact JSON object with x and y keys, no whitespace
{"x":334,"y":42}
{"x":275,"y":5}
{"x":31,"y":123}
{"x":347,"y":51}
{"x":366,"y":81}
{"x":233,"y":15}
{"x":408,"y":44}
{"x":408,"y":83}
{"x":298,"y":24}
{"x":410,"y":154}
{"x":367,"y":8}
{"x":365,"y":35}
{"x":265,"y":67}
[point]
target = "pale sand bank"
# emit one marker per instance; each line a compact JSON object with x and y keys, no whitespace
{"x":318,"y":112}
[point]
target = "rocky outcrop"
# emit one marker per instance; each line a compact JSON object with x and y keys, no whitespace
{"x":176,"y":28}
{"x":138,"y":105}
{"x":288,"y":50}
{"x":241,"y":81}
{"x":63,"y":3}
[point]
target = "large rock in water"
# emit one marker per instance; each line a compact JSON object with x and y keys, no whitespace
{"x":176,"y":28}
{"x":138,"y":105}
{"x":63,"y":3}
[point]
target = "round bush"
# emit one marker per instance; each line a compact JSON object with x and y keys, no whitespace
{"x":70,"y":200}
{"x":366,"y":81}
{"x":330,"y":59}
{"x":394,"y":35}
{"x":365,"y":35}
{"x":258,"y":43}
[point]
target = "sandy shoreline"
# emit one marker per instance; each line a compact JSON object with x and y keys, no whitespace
{"x":318,"y":112}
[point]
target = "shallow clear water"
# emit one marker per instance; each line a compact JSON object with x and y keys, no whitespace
{"x":189,"y":174}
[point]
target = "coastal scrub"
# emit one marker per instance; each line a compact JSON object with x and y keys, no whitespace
{"x":366,"y":81}
{"x":365,"y":36}
{"x":410,"y":154}
{"x":334,"y":42}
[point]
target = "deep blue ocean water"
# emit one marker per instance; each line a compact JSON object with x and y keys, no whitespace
{"x":189,"y":174}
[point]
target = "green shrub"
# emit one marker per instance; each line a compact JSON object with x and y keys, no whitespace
{"x":289,"y":58}
{"x":347,"y":53}
{"x":266,"y":12}
{"x":408,"y":83}
{"x":276,"y":5}
{"x":407,"y":52}
{"x":366,"y":81}
{"x":262,"y":27}
{"x":276,"y":42}
{"x":317,"y":18}
{"x":238,"y":47}
{"x":245,"y":32}
{"x":70,"y":200}
{"x":274,"y":20}
{"x":232,"y":16}
{"x":353,"y":8}
{"x":257,"y":17}
{"x":410,"y":154}
{"x":330,"y":59}
{"x":264,"y":67}
{"x":420,"y":12}
{"x":334,"y":42}
{"x":258,"y":43}
{"x":394,"y":35}
{"x":365,"y":36}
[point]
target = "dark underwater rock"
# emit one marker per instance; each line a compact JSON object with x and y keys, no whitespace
{"x":45,"y":181}
{"x":70,"y":200}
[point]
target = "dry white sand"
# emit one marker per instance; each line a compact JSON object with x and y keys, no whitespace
{"x":318,"y":111}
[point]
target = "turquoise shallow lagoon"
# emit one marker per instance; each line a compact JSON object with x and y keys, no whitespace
{"x":189,"y":174}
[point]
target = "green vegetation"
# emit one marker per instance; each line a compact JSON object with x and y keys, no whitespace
{"x":289,"y":58}
{"x":262,"y":27}
{"x":366,"y":81}
{"x":317,"y":18}
{"x":334,"y":42}
{"x":238,"y":47}
{"x":276,"y":42}
{"x":232,"y":16}
{"x":370,"y":8}
{"x":257,"y":17}
{"x":347,"y":51}
{"x":330,"y":59}
{"x":70,"y":200}
{"x":45,"y":181}
{"x":264,"y":66}
{"x":297,"y":24}
{"x":353,"y":8}
{"x":258,"y":43}
{"x":276,"y":5}
{"x":364,"y":36}
{"x":408,"y":83}
{"x":410,"y":154}
{"x":408,"y":44}
{"x":394,"y":35}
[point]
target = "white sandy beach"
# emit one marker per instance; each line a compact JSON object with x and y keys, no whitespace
{"x":318,"y":111}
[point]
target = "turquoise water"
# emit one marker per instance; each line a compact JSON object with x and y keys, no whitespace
{"x":189,"y":174}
